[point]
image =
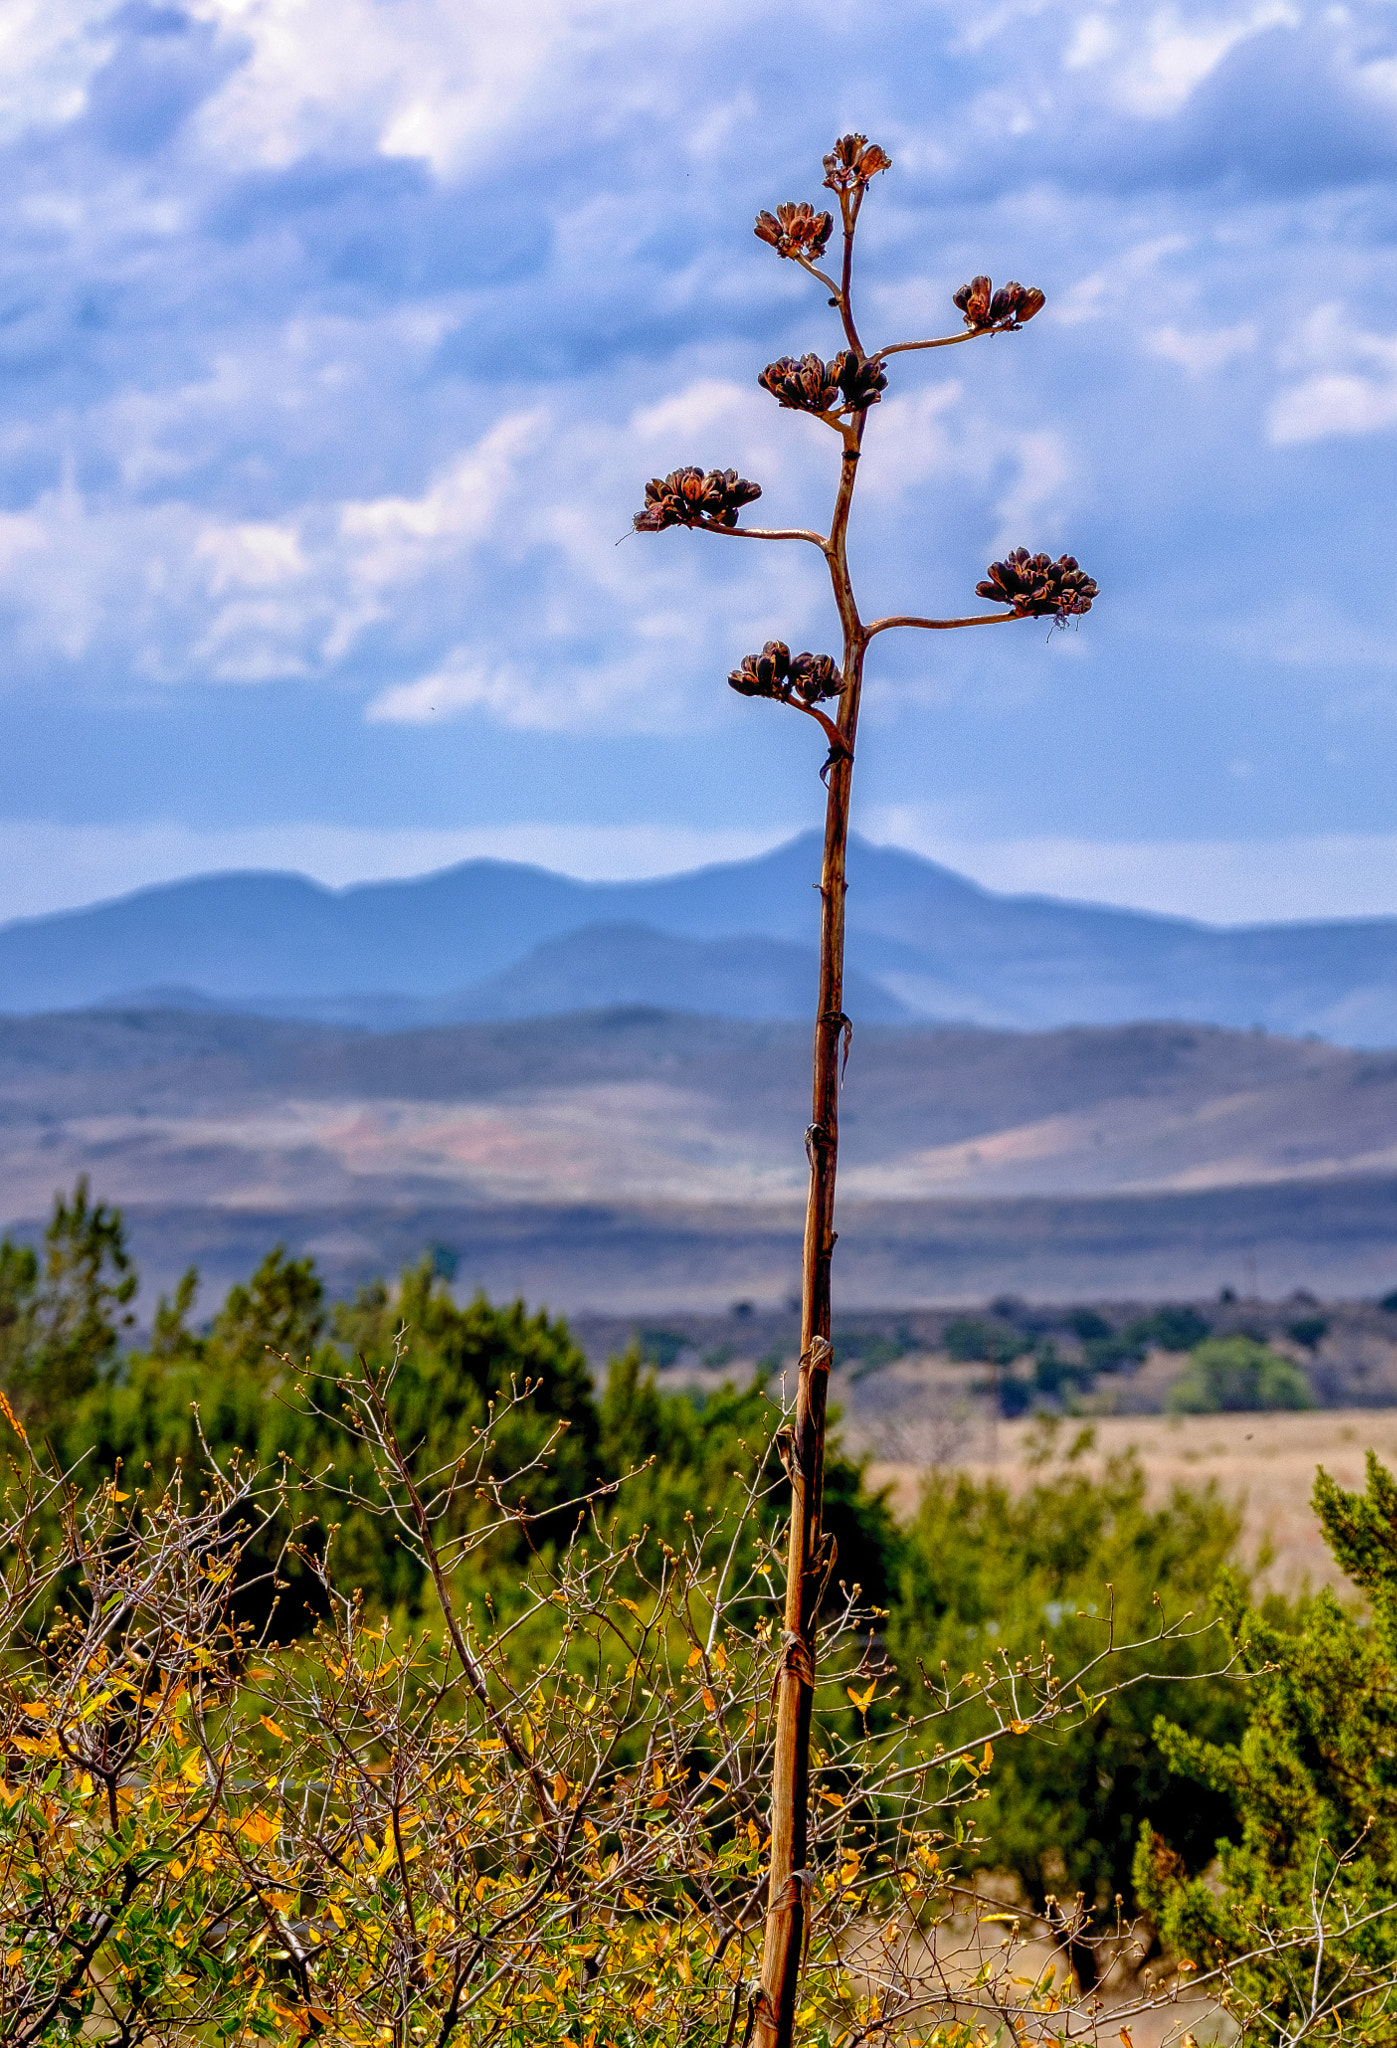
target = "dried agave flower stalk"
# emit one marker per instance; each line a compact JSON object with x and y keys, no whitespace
{"x":840,"y":393}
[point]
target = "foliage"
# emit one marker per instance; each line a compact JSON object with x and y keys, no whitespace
{"x":378,"y":1837}
{"x":61,"y":1317}
{"x":1076,"y":1561}
{"x":1237,"y":1373}
{"x":1300,"y":1915}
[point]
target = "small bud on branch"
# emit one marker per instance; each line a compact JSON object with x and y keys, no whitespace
{"x":690,"y":495}
{"x":1038,"y":587}
{"x":986,"y":309}
{"x":853,"y":163}
{"x":795,"y":230}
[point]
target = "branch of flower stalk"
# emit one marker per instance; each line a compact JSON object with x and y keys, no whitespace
{"x":902,"y":348}
{"x":828,"y":282}
{"x":840,"y":750}
{"x":941,"y":625}
{"x":763,"y":533}
{"x":846,"y":311}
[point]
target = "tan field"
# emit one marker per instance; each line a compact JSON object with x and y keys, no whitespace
{"x":1268,"y":1461}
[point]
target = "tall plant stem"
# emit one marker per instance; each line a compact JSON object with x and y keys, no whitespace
{"x":808,"y":1557}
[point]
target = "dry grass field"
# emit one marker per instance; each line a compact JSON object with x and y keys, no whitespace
{"x":1267,"y":1461}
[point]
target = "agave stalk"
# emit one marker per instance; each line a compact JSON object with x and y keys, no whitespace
{"x":841,"y":395}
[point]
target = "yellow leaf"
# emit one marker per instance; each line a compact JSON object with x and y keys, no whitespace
{"x":388,"y":1857}
{"x":709,"y":1701}
{"x":272,"y":1728}
{"x":560,"y":1788}
{"x":629,"y":1603}
{"x":259,"y":1828}
{"x":632,"y":1900}
{"x":987,"y":1759}
{"x":862,"y":1700}
{"x":1019,"y":1727}
{"x":695,"y":1657}
{"x":119,"y":1496}
{"x":526,"y":1732}
{"x":753,"y":1837}
{"x":15,"y":1424}
{"x":720,"y":1657}
{"x":492,"y":1742}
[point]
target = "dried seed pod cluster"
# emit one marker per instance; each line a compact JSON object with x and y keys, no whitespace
{"x":776,"y":672}
{"x":853,"y":162}
{"x":689,"y":495}
{"x":985,"y":308}
{"x":808,"y":384}
{"x":795,"y":230}
{"x":1039,"y":587}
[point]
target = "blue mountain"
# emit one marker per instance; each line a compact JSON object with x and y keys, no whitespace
{"x":499,"y":939}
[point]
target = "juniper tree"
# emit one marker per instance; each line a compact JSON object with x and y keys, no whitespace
{"x":840,"y":394}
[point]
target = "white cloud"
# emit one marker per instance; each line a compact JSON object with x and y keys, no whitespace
{"x":48,"y":53}
{"x":1351,"y":387}
{"x":1200,"y":352}
{"x":1153,"y":63}
{"x":1033,"y":510}
{"x":1222,"y":881}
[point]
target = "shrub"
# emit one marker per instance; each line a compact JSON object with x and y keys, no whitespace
{"x":1072,"y":1563}
{"x":1300,"y":1912}
{"x":1237,"y":1374}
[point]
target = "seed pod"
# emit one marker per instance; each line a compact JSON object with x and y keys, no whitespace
{"x":853,"y":162}
{"x":804,"y":383}
{"x":795,"y":229}
{"x":974,"y":302}
{"x":764,"y":674}
{"x":814,"y":677}
{"x":1038,"y":587}
{"x":690,"y":494}
{"x":861,"y":380}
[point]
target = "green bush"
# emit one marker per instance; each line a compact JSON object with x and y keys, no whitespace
{"x":1236,"y":1374}
{"x":1073,"y":1561}
{"x":1299,"y":1905}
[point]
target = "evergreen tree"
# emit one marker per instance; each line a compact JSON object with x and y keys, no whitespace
{"x":1301,"y":1909}
{"x":62,"y":1318}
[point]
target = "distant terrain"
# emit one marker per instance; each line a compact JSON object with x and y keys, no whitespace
{"x":495,"y":940}
{"x":633,"y":1158}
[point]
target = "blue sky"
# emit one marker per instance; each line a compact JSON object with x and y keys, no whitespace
{"x":338,"y":338}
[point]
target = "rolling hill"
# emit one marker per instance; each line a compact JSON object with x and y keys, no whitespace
{"x":635,"y":1158}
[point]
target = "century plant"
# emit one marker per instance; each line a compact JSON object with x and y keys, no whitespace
{"x":840,"y":394}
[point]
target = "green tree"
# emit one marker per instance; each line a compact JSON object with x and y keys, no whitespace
{"x":62,"y":1317}
{"x":1301,"y":1909}
{"x":1074,"y":1561}
{"x":265,"y":1379}
{"x":1237,"y":1373}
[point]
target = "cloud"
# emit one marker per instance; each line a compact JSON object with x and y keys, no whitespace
{"x":339,"y":338}
{"x":1201,"y":352}
{"x":1223,"y":881}
{"x":1351,"y":387}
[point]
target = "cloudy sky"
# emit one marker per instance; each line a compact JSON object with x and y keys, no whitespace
{"x":338,"y":338}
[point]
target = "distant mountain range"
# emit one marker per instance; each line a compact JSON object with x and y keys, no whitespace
{"x":496,"y":940}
